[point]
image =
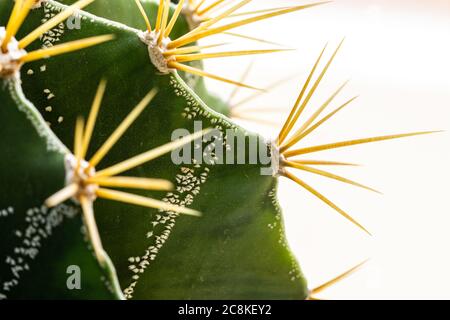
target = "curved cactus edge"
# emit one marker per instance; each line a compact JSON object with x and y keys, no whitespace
{"x":34,"y":116}
{"x":54,"y":144}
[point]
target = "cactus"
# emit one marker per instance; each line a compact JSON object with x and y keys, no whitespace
{"x":196,"y":230}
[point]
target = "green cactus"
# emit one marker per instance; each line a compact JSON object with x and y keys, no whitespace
{"x":148,"y":244}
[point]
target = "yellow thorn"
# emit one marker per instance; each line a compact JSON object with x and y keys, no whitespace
{"x":349,"y":143}
{"x":190,"y":49}
{"x":318,"y":112}
{"x":204,"y":25}
{"x":149,"y":155}
{"x":208,"y":32}
{"x":159,"y":16}
{"x":287,"y":125}
{"x":189,"y":69}
{"x":210,"y":7}
{"x":302,"y":133}
{"x":62,"y":195}
{"x":203,"y":56}
{"x":311,"y":91}
{"x":19,"y":18}
{"x":92,"y":230}
{"x":238,"y":35}
{"x":324,"y":163}
{"x":326,"y":174}
{"x":174,"y":18}
{"x":65,"y":48}
{"x":249,"y":13}
{"x":199,"y":4}
{"x":120,"y":130}
{"x":78,"y":142}
{"x":132,"y":182}
{"x":11,"y":22}
{"x":93,"y":117}
{"x":144,"y":201}
{"x":324,"y":199}
{"x":144,"y":15}
{"x":53,"y":22}
{"x":335,"y":280}
{"x":164,"y":21}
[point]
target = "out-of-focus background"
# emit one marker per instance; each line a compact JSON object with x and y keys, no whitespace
{"x":396,"y":54}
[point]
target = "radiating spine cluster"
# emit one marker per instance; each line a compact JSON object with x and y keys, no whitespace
{"x":317,"y":290}
{"x":285,"y":154}
{"x":13,"y":54}
{"x":167,"y":54}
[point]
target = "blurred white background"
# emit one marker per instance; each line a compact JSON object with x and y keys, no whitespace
{"x":396,"y":54}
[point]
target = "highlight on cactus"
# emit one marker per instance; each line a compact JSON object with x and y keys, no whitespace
{"x":202,"y":220}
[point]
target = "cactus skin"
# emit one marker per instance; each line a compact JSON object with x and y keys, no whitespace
{"x":236,"y":250}
{"x":41,"y":243}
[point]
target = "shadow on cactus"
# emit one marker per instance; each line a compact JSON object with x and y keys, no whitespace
{"x":236,"y":250}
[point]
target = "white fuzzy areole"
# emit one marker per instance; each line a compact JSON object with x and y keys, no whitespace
{"x":77,"y":173}
{"x":155,"y":51}
{"x":276,"y":159}
{"x":10,"y":61}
